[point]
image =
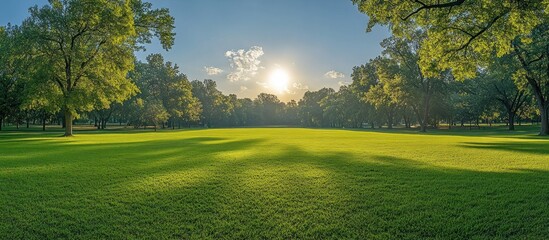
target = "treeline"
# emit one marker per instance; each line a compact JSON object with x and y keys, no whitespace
{"x":387,"y":91}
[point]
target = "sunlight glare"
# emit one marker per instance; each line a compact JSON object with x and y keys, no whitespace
{"x":279,"y":80}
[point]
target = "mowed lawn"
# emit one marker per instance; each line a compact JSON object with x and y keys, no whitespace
{"x":280,"y":183}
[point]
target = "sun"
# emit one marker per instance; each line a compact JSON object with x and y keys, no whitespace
{"x":279,"y":80}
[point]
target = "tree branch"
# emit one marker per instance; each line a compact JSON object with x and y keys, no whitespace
{"x":432,"y":6}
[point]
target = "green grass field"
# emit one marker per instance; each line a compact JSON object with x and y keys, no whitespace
{"x":274,"y":183}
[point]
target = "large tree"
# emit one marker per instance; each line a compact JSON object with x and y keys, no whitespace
{"x":463,"y":35}
{"x":418,"y":88}
{"x":86,"y":48}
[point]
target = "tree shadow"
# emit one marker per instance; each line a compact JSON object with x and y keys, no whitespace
{"x":537,"y":147}
{"x":497,"y":132}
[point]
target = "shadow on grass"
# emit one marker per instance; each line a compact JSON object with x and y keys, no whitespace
{"x":218,"y":187}
{"x":538,"y":147}
{"x":522,"y":132}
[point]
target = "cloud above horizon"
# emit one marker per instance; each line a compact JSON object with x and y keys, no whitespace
{"x":244,"y":63}
{"x":212,"y":71}
{"x":334,"y":75}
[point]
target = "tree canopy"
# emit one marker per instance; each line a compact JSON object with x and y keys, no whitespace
{"x":86,"y":48}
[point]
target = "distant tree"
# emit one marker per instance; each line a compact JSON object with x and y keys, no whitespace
{"x":365,"y":77}
{"x":291,"y":113}
{"x":13,"y":62}
{"x":244,"y":112}
{"x":498,"y":83}
{"x":86,"y":47}
{"x":135,"y":112}
{"x":159,"y":80}
{"x":155,"y":113}
{"x":269,"y":108}
{"x":215,"y":106}
{"x":311,"y":112}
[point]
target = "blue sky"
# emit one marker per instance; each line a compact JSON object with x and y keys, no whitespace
{"x":314,"y":43}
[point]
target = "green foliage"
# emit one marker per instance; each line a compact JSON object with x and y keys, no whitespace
{"x":215,"y":106}
{"x":162,"y":81}
{"x":269,"y":108}
{"x":85,"y":48}
{"x":461,"y":34}
{"x":310,"y":110}
{"x":155,"y":113}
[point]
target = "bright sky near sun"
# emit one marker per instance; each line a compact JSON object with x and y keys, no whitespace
{"x":284,"y":47}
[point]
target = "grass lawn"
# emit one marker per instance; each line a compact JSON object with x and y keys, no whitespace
{"x":274,"y":183}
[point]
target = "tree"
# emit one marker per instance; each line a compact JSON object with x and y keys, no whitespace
{"x":215,"y":106}
{"x":154,"y":113}
{"x":364,"y":78}
{"x":311,"y":112}
{"x":86,"y":48}
{"x":533,"y":55}
{"x":269,"y":108}
{"x":464,"y":35}
{"x":343,"y":108}
{"x":419,"y":89}
{"x":13,"y":62}
{"x":159,"y":80}
{"x":499,"y":84}
{"x":387,"y":95}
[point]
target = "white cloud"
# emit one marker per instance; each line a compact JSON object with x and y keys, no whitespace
{"x":244,"y":63}
{"x":211,"y":71}
{"x":243,"y":88}
{"x":334,"y":74}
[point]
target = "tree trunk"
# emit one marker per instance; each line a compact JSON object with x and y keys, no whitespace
{"x":511,"y":121}
{"x":390,"y":123}
{"x":406,"y":122}
{"x":68,"y":124}
{"x":44,"y":123}
{"x":544,"y":121}
{"x":426,"y":108}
